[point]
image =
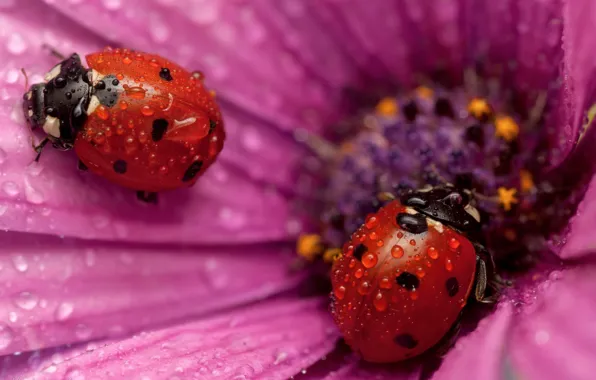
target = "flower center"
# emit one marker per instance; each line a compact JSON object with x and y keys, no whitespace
{"x":476,"y":140}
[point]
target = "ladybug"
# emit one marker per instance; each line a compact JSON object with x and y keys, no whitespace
{"x":136,"y":119}
{"x":405,"y":275}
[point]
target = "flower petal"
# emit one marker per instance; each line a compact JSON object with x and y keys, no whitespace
{"x":580,"y":239}
{"x":357,"y":370}
{"x":274,"y":340}
{"x":479,"y":355}
{"x":555,"y":336}
{"x":51,"y":197}
{"x":57,"y":291}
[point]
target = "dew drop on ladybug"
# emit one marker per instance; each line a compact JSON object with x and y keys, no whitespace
{"x":121,"y":99}
{"x":404,"y":297}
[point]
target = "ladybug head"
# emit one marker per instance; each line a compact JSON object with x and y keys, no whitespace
{"x":447,"y":205}
{"x":58,"y":105}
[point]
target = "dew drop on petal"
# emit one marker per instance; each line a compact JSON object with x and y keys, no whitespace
{"x":16,"y":44}
{"x":6,"y":336}
{"x":26,"y":300}
{"x":397,"y":251}
{"x":20,"y":263}
{"x":64,"y":311}
{"x":74,"y":373}
{"x":10,"y":188}
{"x":370,"y":260}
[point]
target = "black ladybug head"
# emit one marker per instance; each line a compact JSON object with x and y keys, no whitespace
{"x":447,"y":205}
{"x":58,"y":105}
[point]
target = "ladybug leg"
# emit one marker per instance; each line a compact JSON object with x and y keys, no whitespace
{"x":147,"y":197}
{"x":448,"y":340}
{"x":54,"y":52}
{"x":39,"y":148}
{"x":81,"y":166}
{"x":482,"y":281}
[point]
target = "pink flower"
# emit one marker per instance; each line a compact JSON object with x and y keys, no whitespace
{"x":94,"y":284}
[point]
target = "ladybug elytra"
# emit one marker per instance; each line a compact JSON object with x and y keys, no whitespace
{"x":406,"y":274}
{"x":136,"y":119}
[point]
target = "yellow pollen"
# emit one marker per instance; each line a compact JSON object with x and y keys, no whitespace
{"x":507,"y":197}
{"x":387,"y":107}
{"x":526,"y":181}
{"x":479,"y":108}
{"x":331,"y":254}
{"x":424,"y":92}
{"x":309,"y":246}
{"x":506,"y":128}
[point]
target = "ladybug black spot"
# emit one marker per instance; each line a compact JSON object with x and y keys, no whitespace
{"x":165,"y":74}
{"x":359,"y":251}
{"x":443,"y":108}
{"x":120,"y":166}
{"x":159,"y":128}
{"x":212,"y":125}
{"x":452,"y":286}
{"x":414,"y":223}
{"x":410,"y":110}
{"x":406,"y":341}
{"x":192,"y":171}
{"x":115,"y":82}
{"x":408,"y":281}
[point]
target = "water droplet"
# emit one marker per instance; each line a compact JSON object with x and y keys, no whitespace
{"x":112,"y":5}
{"x":74,"y":374}
{"x":10,"y":188}
{"x":385,"y":283}
{"x":83,"y":331}
{"x":280,"y":357}
{"x":370,"y":260}
{"x":420,"y":272}
{"x":358,"y":273}
{"x":102,"y":112}
{"x":448,"y":265}
{"x":454,"y":243}
{"x":380,"y":302}
{"x":432,"y":253}
{"x":146,"y":110}
{"x":26,"y":300}
{"x":126,"y":60}
{"x":33,"y":195}
{"x":6,"y":336}
{"x":13,"y":317}
{"x":123,"y":105}
{"x":364,"y":288}
{"x":541,"y":337}
{"x":397,"y":251}
{"x":340,"y":292}
{"x":51,"y":369}
{"x":412,"y":242}
{"x":64,"y":311}
{"x":20,"y":263}
{"x":371,"y":222}
{"x":16,"y":43}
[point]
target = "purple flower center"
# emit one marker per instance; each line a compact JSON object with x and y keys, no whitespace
{"x":477,"y":138}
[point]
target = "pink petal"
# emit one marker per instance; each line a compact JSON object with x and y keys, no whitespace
{"x":580,"y":240}
{"x":479,"y":355}
{"x":555,"y":336}
{"x":273,"y":340}
{"x":57,"y":291}
{"x":356,"y":370}
{"x":52,"y":197}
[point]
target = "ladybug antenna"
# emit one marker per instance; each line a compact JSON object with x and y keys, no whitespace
{"x":26,"y":78}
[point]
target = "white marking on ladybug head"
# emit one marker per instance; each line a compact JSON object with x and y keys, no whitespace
{"x":51,"y":126}
{"x":411,"y":211}
{"x":171,"y":97}
{"x":29,"y":95}
{"x":435,"y":224}
{"x":30,"y":113}
{"x":93,"y":104}
{"x":473,"y":212}
{"x":95,"y":76}
{"x":53,"y":73}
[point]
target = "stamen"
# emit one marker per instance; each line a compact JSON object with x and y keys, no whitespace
{"x":331,"y":255}
{"x":387,"y":107}
{"x":506,"y":128}
{"x":479,"y":108}
{"x":526,"y":181}
{"x":507,"y":197}
{"x":309,"y":246}
{"x":424,"y":92}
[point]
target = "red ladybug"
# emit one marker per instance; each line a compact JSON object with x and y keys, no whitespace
{"x":407,"y":273}
{"x":136,"y":119}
